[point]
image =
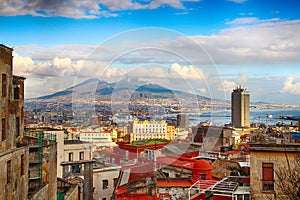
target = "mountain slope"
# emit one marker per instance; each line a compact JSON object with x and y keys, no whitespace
{"x":101,"y":88}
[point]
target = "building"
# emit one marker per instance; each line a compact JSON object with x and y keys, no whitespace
{"x":67,"y":150}
{"x":145,"y":130}
{"x":213,"y":137}
{"x":178,"y":178}
{"x":13,"y":157}
{"x":105,"y":180}
{"x":42,"y":180}
{"x":28,"y":162}
{"x":101,"y":138}
{"x":240,"y":108}
{"x":274,"y":170}
{"x":74,"y":151}
{"x":183,"y":121}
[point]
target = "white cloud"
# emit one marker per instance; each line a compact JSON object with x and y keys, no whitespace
{"x":244,"y":20}
{"x":262,"y":42}
{"x":228,"y":86}
{"x":243,"y":79}
{"x":81,"y":9}
{"x":291,"y":86}
{"x":265,"y":41}
{"x":202,"y":90}
{"x":251,"y":21}
{"x":178,"y":71}
{"x":23,"y":65}
{"x":70,"y":8}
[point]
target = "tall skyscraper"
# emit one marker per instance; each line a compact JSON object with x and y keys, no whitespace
{"x":183,"y":121}
{"x":240,"y":108}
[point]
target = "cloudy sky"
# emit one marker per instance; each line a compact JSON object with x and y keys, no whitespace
{"x":205,"y":47}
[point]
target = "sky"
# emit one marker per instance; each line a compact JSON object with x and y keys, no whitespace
{"x":206,"y":47}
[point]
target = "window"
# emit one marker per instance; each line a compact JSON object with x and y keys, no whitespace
{"x":71,"y":156}
{"x":17,"y":126}
{"x":203,"y":176}
{"x":267,"y":177}
{"x":4,"y":85}
{"x":8,"y":172}
{"x":17,"y":92}
{"x":22,"y":164}
{"x":104,"y":184}
{"x":76,"y":169}
{"x":3,"y":125}
{"x":81,"y":155}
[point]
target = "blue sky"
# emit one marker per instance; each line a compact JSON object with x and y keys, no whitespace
{"x":253,"y":43}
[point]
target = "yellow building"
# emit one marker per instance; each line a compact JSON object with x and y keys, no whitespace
{"x":274,"y":171}
{"x":171,"y":132}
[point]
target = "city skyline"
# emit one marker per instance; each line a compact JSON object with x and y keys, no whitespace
{"x":251,"y":43}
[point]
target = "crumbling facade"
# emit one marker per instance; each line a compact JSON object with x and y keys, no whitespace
{"x":13,"y":155}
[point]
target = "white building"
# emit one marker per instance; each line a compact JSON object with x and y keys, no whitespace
{"x":100,"y":139}
{"x":74,"y":150}
{"x":105,"y":180}
{"x":96,"y":137}
{"x":143,"y":130}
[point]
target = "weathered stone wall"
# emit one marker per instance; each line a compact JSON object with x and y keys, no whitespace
{"x":5,"y":69}
{"x":17,"y":187}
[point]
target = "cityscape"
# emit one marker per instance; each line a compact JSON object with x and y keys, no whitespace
{"x":152,"y":100}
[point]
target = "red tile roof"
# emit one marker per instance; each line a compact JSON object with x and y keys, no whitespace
{"x":175,"y":162}
{"x":173,"y":183}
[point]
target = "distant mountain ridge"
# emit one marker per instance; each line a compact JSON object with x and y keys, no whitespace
{"x":95,"y":86}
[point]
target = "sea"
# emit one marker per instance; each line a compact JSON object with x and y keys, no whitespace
{"x":267,"y":116}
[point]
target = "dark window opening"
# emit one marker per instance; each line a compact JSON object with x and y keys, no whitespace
{"x":81,"y":155}
{"x":22,"y":164}
{"x":71,"y":156}
{"x":17,"y":126}
{"x":17,"y":92}
{"x":3,"y":125}
{"x":104,"y":184}
{"x":8,"y":172}
{"x":4,"y":85}
{"x":76,"y":169}
{"x":203,"y":176}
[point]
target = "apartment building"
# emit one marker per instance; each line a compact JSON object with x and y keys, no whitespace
{"x":13,"y":156}
{"x":144,"y":130}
